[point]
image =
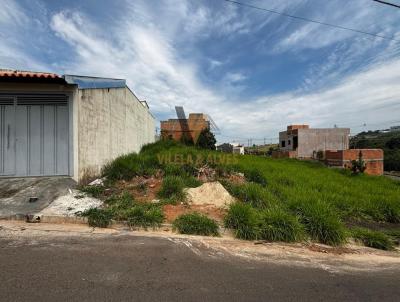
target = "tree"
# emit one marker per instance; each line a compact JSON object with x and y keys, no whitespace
{"x":206,"y":140}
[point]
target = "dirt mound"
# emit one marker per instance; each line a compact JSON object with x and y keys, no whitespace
{"x":209,"y":193}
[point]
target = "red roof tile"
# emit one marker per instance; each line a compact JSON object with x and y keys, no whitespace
{"x":6,"y":73}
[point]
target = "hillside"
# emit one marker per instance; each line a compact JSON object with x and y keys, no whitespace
{"x":389,"y":142}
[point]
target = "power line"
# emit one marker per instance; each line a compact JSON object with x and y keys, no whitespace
{"x":310,"y":20}
{"x":387,"y":3}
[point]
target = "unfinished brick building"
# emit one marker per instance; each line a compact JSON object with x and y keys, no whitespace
{"x":177,"y":128}
{"x":301,"y":141}
{"x":373,"y":159}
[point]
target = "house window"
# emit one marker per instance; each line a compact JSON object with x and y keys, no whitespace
{"x":283,"y":143}
{"x":288,"y":142}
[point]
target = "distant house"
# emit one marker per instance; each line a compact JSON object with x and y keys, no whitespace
{"x":231,"y":148}
{"x":301,"y":141}
{"x":330,"y":145}
{"x":67,"y":125}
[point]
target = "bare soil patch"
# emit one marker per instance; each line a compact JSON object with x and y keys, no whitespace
{"x":173,"y":211}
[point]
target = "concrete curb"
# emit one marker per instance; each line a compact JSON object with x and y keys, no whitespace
{"x":67,"y":220}
{"x":38,"y":218}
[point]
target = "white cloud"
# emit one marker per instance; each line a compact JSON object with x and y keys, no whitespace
{"x":154,"y":52}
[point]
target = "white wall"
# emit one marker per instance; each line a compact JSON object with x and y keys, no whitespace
{"x":110,"y":122}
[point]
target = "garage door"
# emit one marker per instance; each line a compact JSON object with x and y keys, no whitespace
{"x":34,"y":135}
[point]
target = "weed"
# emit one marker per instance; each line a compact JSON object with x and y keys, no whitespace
{"x":196,"y":224}
{"x":95,"y":191}
{"x":144,"y":216}
{"x":98,"y":217}
{"x":172,"y":188}
{"x":243,"y":219}
{"x":278,"y":225}
{"x":374,"y":239}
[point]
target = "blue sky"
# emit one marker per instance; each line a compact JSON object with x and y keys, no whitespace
{"x":252,"y":71}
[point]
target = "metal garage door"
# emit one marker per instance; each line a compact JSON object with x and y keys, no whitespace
{"x":34,"y":135}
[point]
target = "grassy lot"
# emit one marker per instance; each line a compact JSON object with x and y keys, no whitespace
{"x":282,"y":200}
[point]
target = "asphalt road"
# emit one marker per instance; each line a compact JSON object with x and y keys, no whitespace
{"x":126,"y":268}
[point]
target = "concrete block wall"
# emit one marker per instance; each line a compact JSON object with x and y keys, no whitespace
{"x":314,"y":140}
{"x":110,"y":122}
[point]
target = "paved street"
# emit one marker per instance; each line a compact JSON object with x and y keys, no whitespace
{"x":109,"y":267}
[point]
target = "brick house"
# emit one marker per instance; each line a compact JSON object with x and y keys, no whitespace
{"x":192,"y":127}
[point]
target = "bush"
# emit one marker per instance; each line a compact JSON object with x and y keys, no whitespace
{"x":374,"y":239}
{"x":278,"y":225}
{"x":196,"y":224}
{"x":172,"y":188}
{"x":243,"y":219}
{"x":321,"y":222}
{"x":256,"y":176}
{"x":98,"y":217}
{"x":144,"y":216}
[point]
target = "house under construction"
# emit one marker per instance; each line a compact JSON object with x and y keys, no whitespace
{"x":178,"y":129}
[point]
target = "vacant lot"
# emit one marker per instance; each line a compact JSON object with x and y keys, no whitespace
{"x":278,"y":200}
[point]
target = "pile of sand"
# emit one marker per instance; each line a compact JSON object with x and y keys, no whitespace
{"x":209,"y":193}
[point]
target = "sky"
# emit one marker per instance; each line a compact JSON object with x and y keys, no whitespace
{"x":252,"y":71}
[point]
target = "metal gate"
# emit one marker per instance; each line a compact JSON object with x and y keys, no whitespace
{"x":34,"y":135}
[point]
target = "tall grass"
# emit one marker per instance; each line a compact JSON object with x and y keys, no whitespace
{"x":374,"y":239}
{"x":277,"y":224}
{"x":243,"y":219}
{"x":321,"y":222}
{"x":196,"y":224}
{"x":172,"y":189}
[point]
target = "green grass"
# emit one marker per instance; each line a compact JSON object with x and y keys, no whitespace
{"x":277,"y":224}
{"x":95,"y":191}
{"x":374,"y":239}
{"x":244,"y":220}
{"x":323,"y":199}
{"x":124,"y":208}
{"x":100,"y":218}
{"x":196,"y":224}
{"x":321,"y":222}
{"x":144,"y":216}
{"x":172,"y":189}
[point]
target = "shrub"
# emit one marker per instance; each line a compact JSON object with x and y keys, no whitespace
{"x":95,"y":191}
{"x":321,"y":222}
{"x":196,"y":224}
{"x":243,"y":219}
{"x":172,"y":188}
{"x":256,"y":176}
{"x":374,"y":239}
{"x":98,"y":217}
{"x":278,"y":225}
{"x":144,"y":216}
